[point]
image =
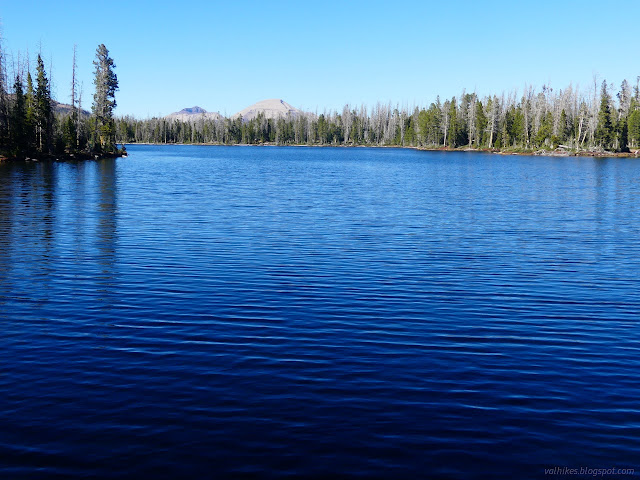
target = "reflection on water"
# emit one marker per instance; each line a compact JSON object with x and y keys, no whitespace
{"x":57,"y":213}
{"x":193,"y":312}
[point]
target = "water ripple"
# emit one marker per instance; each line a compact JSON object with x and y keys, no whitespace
{"x":227,"y":312}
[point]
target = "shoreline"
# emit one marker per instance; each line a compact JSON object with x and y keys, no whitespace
{"x":559,"y":152}
{"x":67,"y":157}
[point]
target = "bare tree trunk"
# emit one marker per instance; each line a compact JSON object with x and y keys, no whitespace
{"x":445,"y":122}
{"x":593,"y":119}
{"x":492,"y":119}
{"x":526,"y":102}
{"x":75,"y":113}
{"x":347,"y":121}
{"x":471,"y":119}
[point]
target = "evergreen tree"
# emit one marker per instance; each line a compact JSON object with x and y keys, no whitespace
{"x":452,"y":129}
{"x":545,"y":131}
{"x":322,"y":129}
{"x":19,"y":132}
{"x":43,"y":110}
{"x":436,"y":123}
{"x":481,"y":124}
{"x":518,"y":127}
{"x":507,"y":136}
{"x":604,"y":130}
{"x":70,"y":134}
{"x":106,"y":83}
{"x":633,"y":124}
{"x":31,"y":110}
{"x":622,"y":134}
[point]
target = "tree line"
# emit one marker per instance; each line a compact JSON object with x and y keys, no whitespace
{"x":596,"y":120}
{"x":34,"y":125}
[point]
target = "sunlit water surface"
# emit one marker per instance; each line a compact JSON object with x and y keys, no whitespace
{"x":217,"y":311}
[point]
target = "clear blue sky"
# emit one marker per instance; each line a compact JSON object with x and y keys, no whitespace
{"x":224,"y":55}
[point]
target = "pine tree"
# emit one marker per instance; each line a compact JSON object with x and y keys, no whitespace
{"x":43,"y":110}
{"x":518,"y":127}
{"x":106,"y":83}
{"x":30,"y":100}
{"x":604,"y":130}
{"x":481,"y":125}
{"x":564,"y":130}
{"x":633,"y":124}
{"x":543,"y":135}
{"x":452,"y":129}
{"x":507,"y":139}
{"x":19,"y":132}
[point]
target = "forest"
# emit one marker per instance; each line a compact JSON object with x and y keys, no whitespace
{"x":34,"y":125}
{"x":601,"y":119}
{"x":594,"y":121}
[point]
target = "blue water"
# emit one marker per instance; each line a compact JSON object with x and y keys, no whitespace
{"x":211,"y":312}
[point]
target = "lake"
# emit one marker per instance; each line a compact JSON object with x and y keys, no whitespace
{"x":264,"y":312}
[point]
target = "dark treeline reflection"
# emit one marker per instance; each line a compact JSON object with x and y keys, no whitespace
{"x":107,"y":216}
{"x":56,"y":217}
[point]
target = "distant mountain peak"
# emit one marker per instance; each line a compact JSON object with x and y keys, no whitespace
{"x":192,"y":110}
{"x":271,"y":108}
{"x":193,"y":114}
